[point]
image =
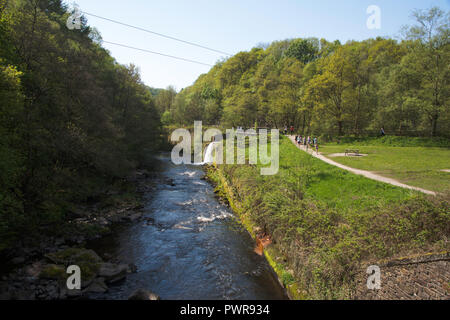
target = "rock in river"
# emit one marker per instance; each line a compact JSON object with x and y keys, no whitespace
{"x":113,"y":272}
{"x":97,"y":286}
{"x":142,"y":294}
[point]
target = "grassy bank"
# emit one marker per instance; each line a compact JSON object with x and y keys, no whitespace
{"x":225,"y":191}
{"x":327,"y":224}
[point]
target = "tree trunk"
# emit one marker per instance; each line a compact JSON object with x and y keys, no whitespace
{"x":434,"y":121}
{"x":304,"y":123}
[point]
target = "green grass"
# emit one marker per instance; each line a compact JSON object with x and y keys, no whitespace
{"x":416,"y":166}
{"x":309,"y":178}
{"x":397,"y":141}
{"x":327,"y":223}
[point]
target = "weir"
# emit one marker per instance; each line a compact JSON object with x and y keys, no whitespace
{"x":209,"y":155}
{"x":209,"y":158}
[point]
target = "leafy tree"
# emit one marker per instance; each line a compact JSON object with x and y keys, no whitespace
{"x":430,"y":57}
{"x":72,"y":119}
{"x":11,"y":159}
{"x":164,"y":99}
{"x":303,"y":50}
{"x":329,"y":88}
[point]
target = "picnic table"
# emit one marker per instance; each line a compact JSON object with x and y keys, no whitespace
{"x":354,"y":151}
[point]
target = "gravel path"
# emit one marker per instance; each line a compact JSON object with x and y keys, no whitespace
{"x":364,"y":173}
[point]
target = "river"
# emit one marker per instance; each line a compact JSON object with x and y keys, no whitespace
{"x":190,"y":246}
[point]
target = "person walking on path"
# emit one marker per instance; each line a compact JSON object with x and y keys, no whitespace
{"x":292,"y":130}
{"x":371,"y":175}
{"x":382,"y":133}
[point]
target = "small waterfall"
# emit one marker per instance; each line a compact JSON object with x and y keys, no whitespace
{"x":209,"y":154}
{"x":208,"y":158}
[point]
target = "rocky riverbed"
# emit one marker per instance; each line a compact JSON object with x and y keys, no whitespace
{"x":179,"y":241}
{"x":46,"y":278}
{"x":38,"y":270}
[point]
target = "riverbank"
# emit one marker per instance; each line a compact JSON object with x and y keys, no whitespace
{"x":179,"y":242}
{"x":225,"y":192}
{"x":327,"y":225}
{"x":36,"y":267}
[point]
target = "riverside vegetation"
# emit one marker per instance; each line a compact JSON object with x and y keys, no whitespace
{"x":327,"y":224}
{"x":74,"y":124}
{"x":329,"y":89}
{"x":76,"y":129}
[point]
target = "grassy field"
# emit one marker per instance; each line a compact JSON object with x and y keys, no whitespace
{"x":327,"y":224}
{"x":396,"y":141}
{"x":416,"y":166}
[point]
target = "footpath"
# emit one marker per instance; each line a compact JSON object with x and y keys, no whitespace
{"x":364,"y":173}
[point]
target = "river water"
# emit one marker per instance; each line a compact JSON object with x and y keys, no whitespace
{"x":190,"y":246}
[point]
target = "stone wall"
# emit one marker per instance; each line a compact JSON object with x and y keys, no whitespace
{"x":414,"y":278}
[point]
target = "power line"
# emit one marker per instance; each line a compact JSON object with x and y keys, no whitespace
{"x":158,"y":53}
{"x":156,"y":33}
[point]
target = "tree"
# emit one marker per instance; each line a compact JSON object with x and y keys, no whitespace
{"x":359,"y":97}
{"x":286,"y":97}
{"x":164,"y":99}
{"x":11,"y":159}
{"x":327,"y":89}
{"x":430,"y":57}
{"x":72,"y":120}
{"x":302,"y":50}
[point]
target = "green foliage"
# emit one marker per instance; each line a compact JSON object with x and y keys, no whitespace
{"x":332,"y":89}
{"x":88,"y":261}
{"x":164,"y":99}
{"x":412,"y":163}
{"x":395,"y":141}
{"x":54,"y":272}
{"x":72,"y":120}
{"x":303,"y":50}
{"x":166,"y":118}
{"x":327,"y":223}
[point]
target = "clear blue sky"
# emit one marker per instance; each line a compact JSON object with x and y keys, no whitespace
{"x":232,"y":26}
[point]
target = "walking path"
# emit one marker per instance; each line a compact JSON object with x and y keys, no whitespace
{"x":364,"y":173}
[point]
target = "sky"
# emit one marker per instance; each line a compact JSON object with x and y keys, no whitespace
{"x":232,"y":26}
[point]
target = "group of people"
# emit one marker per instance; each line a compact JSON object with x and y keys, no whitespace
{"x":291,"y":129}
{"x":308,"y":142}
